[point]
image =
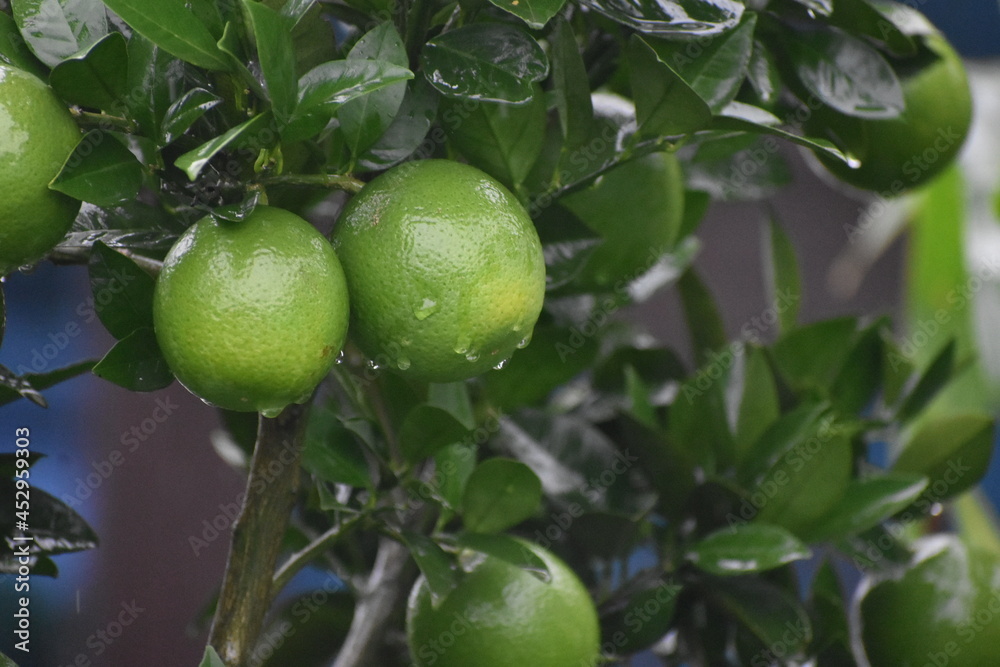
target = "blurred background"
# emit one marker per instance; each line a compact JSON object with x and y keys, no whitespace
{"x":161,"y":505}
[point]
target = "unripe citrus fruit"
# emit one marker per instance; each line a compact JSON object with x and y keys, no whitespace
{"x":251,"y":315}
{"x":37,"y":134}
{"x":897,"y":154}
{"x":943,"y":609}
{"x":502,"y":616}
{"x":444,"y":268}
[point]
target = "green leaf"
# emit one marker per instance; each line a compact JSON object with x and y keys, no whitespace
{"x":664,"y":103}
{"x":332,"y":452}
{"x":759,"y":405}
{"x":931,"y":382}
{"x":743,"y":117}
{"x":571,"y":87}
{"x":720,"y":67}
{"x":781,"y":271}
{"x":57,"y":29}
{"x":96,"y":77}
{"x":323,"y":89}
{"x":866,"y":503}
{"x":803,"y":423}
{"x":772,"y":614}
{"x":296,"y":9}
{"x":272,"y":33}
{"x":55,"y":526}
{"x":747,"y":548}
{"x":505,"y":548}
{"x":434,"y":564}
{"x":364,"y":120}
{"x":698,"y":424}
{"x":408,"y":129}
{"x":504,"y":140}
{"x":536,"y":13}
{"x":845,"y":73}
{"x":100,"y":170}
{"x":192,"y":162}
{"x":122,"y":292}
{"x":182,"y":114}
{"x":426,"y":429}
{"x":860,"y":17}
{"x":500,"y":494}
{"x":136,"y":363}
{"x":811,"y":356}
{"x":34,"y":382}
{"x":952,"y":451}
{"x":171,"y":25}
{"x":452,"y":467}
{"x":154,"y":76}
{"x":6,"y":662}
{"x":680,"y":18}
{"x":489,"y":62}
{"x":860,"y":377}
{"x":708,"y":333}
{"x":13,"y":49}
{"x":211,"y":658}
{"x":453,"y":397}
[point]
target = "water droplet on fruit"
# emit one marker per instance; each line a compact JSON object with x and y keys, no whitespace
{"x":472,"y":355}
{"x":373,"y":365}
{"x":339,"y":359}
{"x":499,"y":366}
{"x":462,"y":345}
{"x":426,"y":308}
{"x":853,"y":162}
{"x":523,"y":343}
{"x":403,"y":363}
{"x":271,"y":413}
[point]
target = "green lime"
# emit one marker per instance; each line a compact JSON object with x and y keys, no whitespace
{"x":444,"y":268}
{"x":501,"y":616}
{"x":37,"y":134}
{"x":251,"y":315}
{"x":943,"y":609}
{"x":897,"y":154}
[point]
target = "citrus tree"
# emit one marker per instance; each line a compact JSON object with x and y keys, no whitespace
{"x":387,"y":241}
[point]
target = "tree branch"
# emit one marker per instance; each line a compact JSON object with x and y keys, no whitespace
{"x":257,"y":536}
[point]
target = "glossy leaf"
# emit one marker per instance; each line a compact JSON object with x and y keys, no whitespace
{"x":273,"y":35}
{"x":100,"y":170}
{"x":183,"y":113}
{"x":716,"y":69}
{"x":490,"y":62}
{"x":365,"y":119}
{"x":95,"y":77}
{"x":211,"y":658}
{"x":860,"y":377}
{"x":500,"y":494}
{"x":664,"y":103}
{"x":748,"y":118}
{"x":323,"y":89}
{"x":296,"y":9}
{"x":192,"y":162}
{"x":122,"y":292}
{"x":434,"y":564}
{"x":846,"y":73}
{"x":860,"y":17}
{"x":57,"y":29}
{"x":866,"y":503}
{"x":763,"y":75}
{"x":952,"y":451}
{"x":747,"y":548}
{"x":811,"y":356}
{"x":504,"y":140}
{"x":427,"y":429}
{"x":698,"y":423}
{"x":136,"y":363}
{"x":32,"y":383}
{"x":505,"y":548}
{"x":801,"y":424}
{"x":408,"y":130}
{"x":536,"y":13}
{"x":452,"y":466}
{"x":759,"y":405}
{"x":571,"y":87}
{"x":56,"y":528}
{"x":708,"y":332}
{"x":14,"y":51}
{"x":172,"y":26}
{"x":152,"y":76}
{"x":781,"y":271}
{"x":672,"y":17}
{"x":332,"y":453}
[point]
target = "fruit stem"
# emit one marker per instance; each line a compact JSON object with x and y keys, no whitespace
{"x":247,"y":587}
{"x":333,"y":181}
{"x":103,"y":121}
{"x":303,"y":557}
